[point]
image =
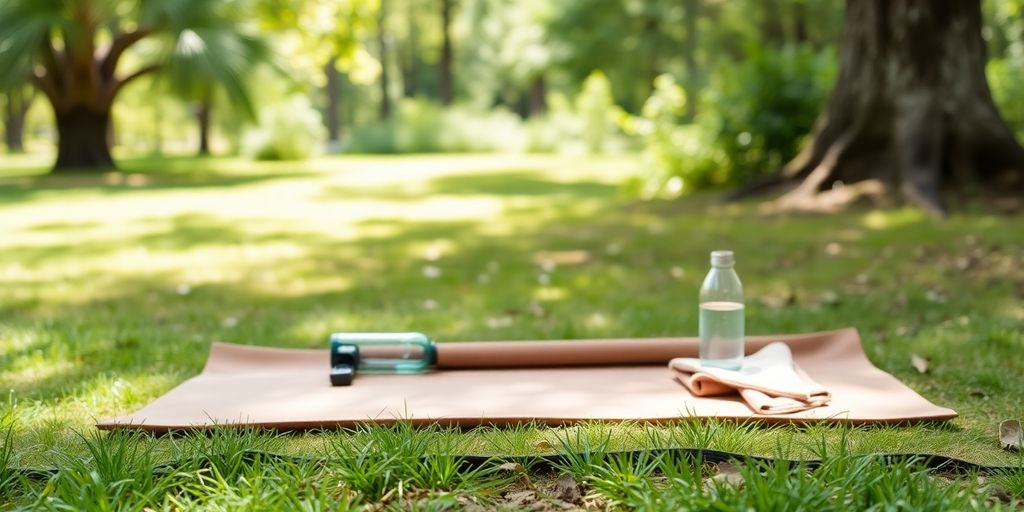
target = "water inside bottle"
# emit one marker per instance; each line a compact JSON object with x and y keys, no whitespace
{"x":721,"y":334}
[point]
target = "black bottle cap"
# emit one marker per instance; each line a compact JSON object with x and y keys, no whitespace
{"x":342,"y":374}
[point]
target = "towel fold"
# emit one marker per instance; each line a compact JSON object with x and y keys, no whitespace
{"x":768,"y":381}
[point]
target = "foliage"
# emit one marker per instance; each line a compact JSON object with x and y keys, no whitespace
{"x":596,"y":107}
{"x":764,"y":106}
{"x":751,"y":122}
{"x":1006,"y":79}
{"x":290,"y":130}
{"x":425,"y":127}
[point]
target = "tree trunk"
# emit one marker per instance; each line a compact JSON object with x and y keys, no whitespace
{"x":911,"y":110}
{"x":410,"y":60}
{"x":332,"y":90}
{"x":690,"y":57}
{"x":538,"y":103}
{"x":651,"y":27}
{"x":203,"y":120}
{"x":799,"y":22}
{"x":446,"y":81}
{"x":382,"y":45}
{"x":82,"y":140}
{"x":772,"y":31}
{"x":16,"y":108}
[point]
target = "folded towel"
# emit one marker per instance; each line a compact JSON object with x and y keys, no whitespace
{"x":769,"y":381}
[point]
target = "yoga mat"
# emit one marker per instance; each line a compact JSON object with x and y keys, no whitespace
{"x":290,"y":389}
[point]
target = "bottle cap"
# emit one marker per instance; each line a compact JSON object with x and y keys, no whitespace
{"x":722,"y":259}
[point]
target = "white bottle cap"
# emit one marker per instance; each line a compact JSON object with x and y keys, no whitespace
{"x":722,"y":259}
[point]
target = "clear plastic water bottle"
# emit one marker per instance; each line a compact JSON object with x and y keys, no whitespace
{"x":721,"y":314}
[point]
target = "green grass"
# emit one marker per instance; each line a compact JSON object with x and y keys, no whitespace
{"x":114,"y":286}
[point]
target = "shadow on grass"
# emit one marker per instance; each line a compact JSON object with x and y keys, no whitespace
{"x":510,"y":183}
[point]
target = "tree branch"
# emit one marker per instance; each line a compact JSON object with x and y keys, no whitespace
{"x":44,"y":82}
{"x":119,"y":83}
{"x":50,"y":62}
{"x":117,"y":48}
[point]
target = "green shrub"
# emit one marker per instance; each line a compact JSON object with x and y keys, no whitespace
{"x":425,"y":127}
{"x":598,"y":111}
{"x":290,"y":130}
{"x":676,"y":157}
{"x":1006,"y":79}
{"x":751,"y":121}
{"x":763,"y":108}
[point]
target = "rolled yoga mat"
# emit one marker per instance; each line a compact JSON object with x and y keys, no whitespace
{"x":536,"y":354}
{"x":623,"y":380}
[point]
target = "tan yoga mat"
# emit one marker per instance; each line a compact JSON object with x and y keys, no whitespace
{"x":290,"y":388}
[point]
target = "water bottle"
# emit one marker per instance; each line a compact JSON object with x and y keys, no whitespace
{"x":721,"y":314}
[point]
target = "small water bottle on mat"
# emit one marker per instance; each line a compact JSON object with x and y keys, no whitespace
{"x":721,"y":314}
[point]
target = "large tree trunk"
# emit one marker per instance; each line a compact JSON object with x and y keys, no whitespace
{"x":203,"y":120}
{"x":82,"y":139}
{"x":911,"y":110}
{"x":446,"y":81}
{"x":332,"y":90}
{"x":81,"y":84}
{"x":15,"y":110}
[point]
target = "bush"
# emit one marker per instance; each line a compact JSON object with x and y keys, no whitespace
{"x":425,"y":127}
{"x":752,"y":120}
{"x":290,"y":130}
{"x":1006,"y":79}
{"x":676,"y":156}
{"x":765,"y":107}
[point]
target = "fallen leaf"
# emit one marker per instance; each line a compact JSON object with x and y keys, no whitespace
{"x":561,"y":257}
{"x":977,"y":393}
{"x":543,"y":445}
{"x":513,"y":467}
{"x":729,"y":473}
{"x":833,"y":249}
{"x":498,"y":322}
{"x":566,"y":488}
{"x":920,"y":363}
{"x":521,"y":497}
{"x":1001,"y":495}
{"x":1010,"y":435}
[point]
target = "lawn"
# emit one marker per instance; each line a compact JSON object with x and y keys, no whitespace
{"x":114,"y":286}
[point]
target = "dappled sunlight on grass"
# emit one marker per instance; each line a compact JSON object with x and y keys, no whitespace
{"x":117,"y":291}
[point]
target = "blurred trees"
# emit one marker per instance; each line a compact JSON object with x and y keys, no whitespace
{"x":713,"y":93}
{"x":72,"y":52}
{"x":16,"y":101}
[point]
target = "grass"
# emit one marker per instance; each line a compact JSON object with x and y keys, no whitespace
{"x":114,"y":287}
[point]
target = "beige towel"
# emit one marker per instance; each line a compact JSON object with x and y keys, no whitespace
{"x":769,"y":381}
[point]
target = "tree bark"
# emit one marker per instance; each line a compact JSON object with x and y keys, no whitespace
{"x":382,"y":45}
{"x":332,"y":90}
{"x":203,"y":120}
{"x":799,"y":22}
{"x":82,"y":139}
{"x":410,"y":60}
{"x":446,"y":81}
{"x":772,"y":31}
{"x":538,"y":103}
{"x":911,"y":110}
{"x":15,"y":110}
